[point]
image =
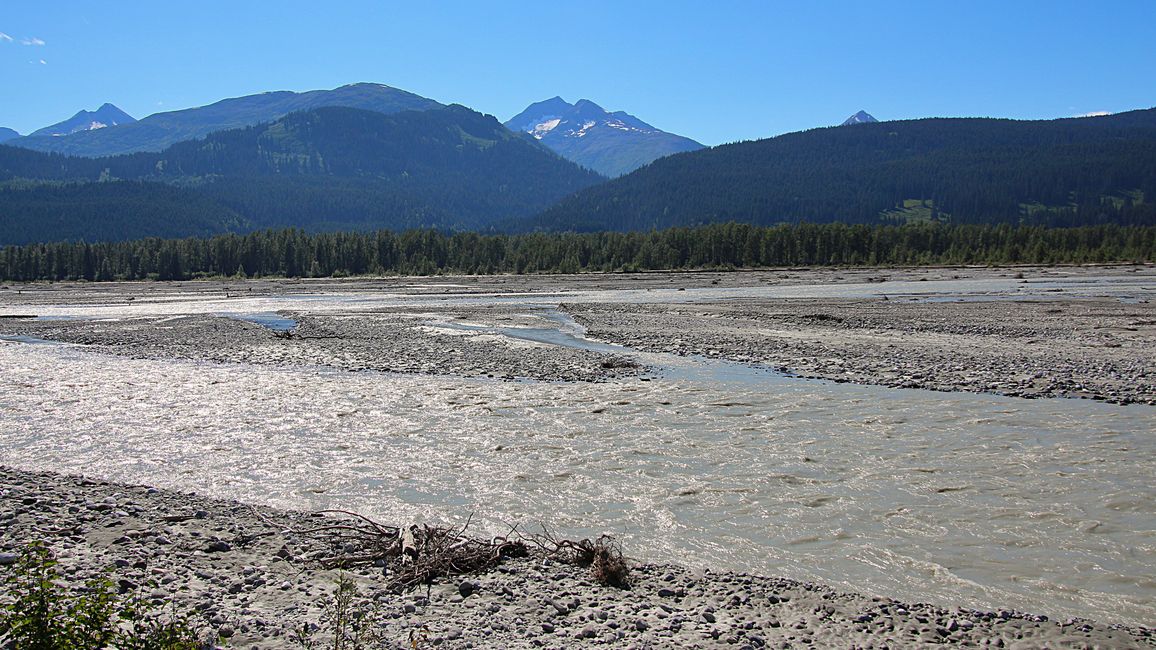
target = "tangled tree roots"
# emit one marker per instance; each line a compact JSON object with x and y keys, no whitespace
{"x":419,"y":555}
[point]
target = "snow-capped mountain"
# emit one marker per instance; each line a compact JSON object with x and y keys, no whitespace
{"x":862,"y":117}
{"x":105,"y":116}
{"x":7,"y":134}
{"x":610,"y":143}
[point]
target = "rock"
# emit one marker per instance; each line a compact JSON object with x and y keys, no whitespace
{"x":8,"y":558}
{"x":466,"y":588}
{"x":219,"y":546}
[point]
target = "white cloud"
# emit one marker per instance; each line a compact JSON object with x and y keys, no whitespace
{"x":43,"y":62}
{"x":32,"y":41}
{"x":1096,"y":114}
{"x":5,"y":38}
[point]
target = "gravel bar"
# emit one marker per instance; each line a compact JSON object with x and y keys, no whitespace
{"x":248,"y":579}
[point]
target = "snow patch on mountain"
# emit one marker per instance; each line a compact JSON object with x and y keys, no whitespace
{"x":542,"y":128}
{"x":103,"y":117}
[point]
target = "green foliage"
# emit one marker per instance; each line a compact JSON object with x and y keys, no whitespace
{"x":294,"y":253}
{"x":349,"y":622}
{"x":39,"y":612}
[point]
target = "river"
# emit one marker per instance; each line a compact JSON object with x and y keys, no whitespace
{"x":952,"y":498}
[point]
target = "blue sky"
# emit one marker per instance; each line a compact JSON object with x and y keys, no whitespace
{"x":717,"y":72}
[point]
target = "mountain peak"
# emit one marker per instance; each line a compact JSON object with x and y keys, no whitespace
{"x":862,"y":117}
{"x":105,"y":116}
{"x":7,"y":134}
{"x":538,"y":114}
{"x":611,"y":144}
{"x":588,"y":105}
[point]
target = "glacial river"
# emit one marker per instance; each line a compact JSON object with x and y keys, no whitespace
{"x":1044,"y":506}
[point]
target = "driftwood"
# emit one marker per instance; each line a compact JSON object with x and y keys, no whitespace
{"x":409,"y":545}
{"x":418,"y":555}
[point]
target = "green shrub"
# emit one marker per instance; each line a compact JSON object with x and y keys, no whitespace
{"x":39,"y":612}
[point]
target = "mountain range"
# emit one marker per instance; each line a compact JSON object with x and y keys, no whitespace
{"x":332,"y":168}
{"x":611,"y":144}
{"x":7,"y":134}
{"x":160,"y":130}
{"x":102,"y":118}
{"x":368,"y":156}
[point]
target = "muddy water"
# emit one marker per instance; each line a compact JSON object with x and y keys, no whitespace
{"x":982,"y":501}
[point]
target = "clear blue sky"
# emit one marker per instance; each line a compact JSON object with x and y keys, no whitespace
{"x":714,"y":71}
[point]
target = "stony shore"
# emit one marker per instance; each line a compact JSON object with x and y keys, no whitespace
{"x":1090,"y":348}
{"x":247,"y":574}
{"x":385,"y":341}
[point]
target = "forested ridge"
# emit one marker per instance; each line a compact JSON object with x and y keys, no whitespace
{"x":327,"y":169}
{"x":961,"y":170}
{"x":294,"y":253}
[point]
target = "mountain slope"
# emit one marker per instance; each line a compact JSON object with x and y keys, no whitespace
{"x":1059,"y":172}
{"x":7,"y":134}
{"x":327,"y":169}
{"x":104,"y":117}
{"x":158,"y":131}
{"x":611,"y":144}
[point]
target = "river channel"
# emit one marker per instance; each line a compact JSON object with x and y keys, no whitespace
{"x":952,"y":498}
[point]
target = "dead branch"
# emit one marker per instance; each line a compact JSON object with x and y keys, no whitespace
{"x":420,"y":554}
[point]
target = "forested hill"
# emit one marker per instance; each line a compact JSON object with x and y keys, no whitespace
{"x":959,"y":170}
{"x":326,"y":169}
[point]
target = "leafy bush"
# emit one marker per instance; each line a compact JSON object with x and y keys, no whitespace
{"x":39,"y":612}
{"x":355,"y":621}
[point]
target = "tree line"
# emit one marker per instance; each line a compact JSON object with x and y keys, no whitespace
{"x":295,"y":253}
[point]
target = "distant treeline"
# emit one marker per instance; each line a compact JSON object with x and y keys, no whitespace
{"x":294,"y":253}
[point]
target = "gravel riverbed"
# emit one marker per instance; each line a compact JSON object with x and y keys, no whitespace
{"x":245,"y":573}
{"x":1093,"y":348}
{"x":1026,"y":332}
